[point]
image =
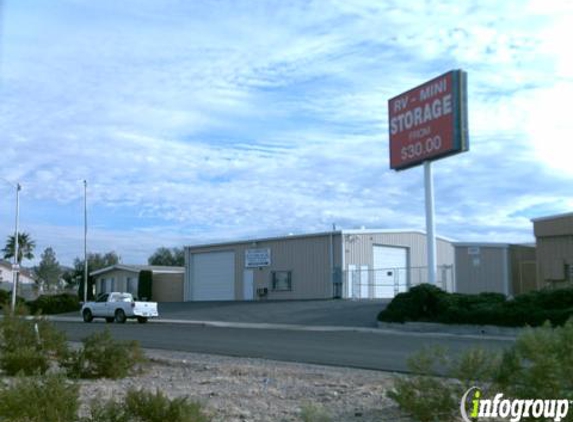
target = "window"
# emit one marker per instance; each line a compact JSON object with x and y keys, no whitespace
{"x":282,"y":280}
{"x":102,"y":298}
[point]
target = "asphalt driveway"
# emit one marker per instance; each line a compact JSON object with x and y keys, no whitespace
{"x":345,"y":313}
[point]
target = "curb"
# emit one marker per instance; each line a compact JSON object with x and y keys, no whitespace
{"x":455,"y":329}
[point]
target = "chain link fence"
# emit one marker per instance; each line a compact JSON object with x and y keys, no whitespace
{"x":366,"y":283}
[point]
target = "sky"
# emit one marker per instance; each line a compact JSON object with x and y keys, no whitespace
{"x":203,"y":121}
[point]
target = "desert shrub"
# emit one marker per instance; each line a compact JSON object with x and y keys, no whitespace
{"x":428,"y":303}
{"x":434,"y":393}
{"x":156,"y":407}
{"x":420,"y":303}
{"x":49,"y":398}
{"x":29,"y":345}
{"x":144,"y":406}
{"x":101,"y":356}
{"x":539,"y":365}
{"x":311,"y":412}
{"x":5,"y":297}
{"x":56,"y":304}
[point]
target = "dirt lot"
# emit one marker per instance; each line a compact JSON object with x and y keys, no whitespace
{"x":256,"y":390}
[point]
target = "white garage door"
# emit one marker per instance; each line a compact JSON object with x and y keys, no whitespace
{"x":213,"y":276}
{"x":390,"y":270}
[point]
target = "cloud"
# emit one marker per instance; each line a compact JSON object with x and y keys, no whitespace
{"x":200,"y":121}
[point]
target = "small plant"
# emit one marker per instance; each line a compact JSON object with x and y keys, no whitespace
{"x":103,"y":357}
{"x":144,"y":406}
{"x":311,"y":412}
{"x":539,"y":365}
{"x":434,"y":393}
{"x":50,"y":398}
{"x":54,"y":304}
{"x":29,"y":345}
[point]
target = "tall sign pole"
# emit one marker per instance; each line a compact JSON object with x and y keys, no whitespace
{"x":16,"y":264}
{"x":427,"y":123}
{"x":430,"y":223}
{"x":85,"y":241}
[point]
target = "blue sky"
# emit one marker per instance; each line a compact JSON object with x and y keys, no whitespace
{"x":200,"y":121}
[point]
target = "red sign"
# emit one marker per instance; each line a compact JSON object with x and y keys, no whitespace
{"x":428,"y":122}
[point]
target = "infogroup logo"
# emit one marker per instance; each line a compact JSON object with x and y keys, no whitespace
{"x":513,"y":409}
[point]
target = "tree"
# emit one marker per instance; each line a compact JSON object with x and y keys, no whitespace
{"x":172,"y":257}
{"x":49,"y":268}
{"x":25,"y":247}
{"x":96,"y":261}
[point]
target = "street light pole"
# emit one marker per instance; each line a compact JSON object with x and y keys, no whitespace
{"x":85,"y":241}
{"x":16,"y":265}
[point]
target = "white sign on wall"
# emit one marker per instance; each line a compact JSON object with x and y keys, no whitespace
{"x":257,"y":257}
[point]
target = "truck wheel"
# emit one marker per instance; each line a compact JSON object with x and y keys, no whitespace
{"x":109,"y":319}
{"x":120,"y":316}
{"x":88,"y":317}
{"x":141,"y":320}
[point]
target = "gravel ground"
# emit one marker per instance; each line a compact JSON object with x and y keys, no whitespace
{"x":257,"y":390}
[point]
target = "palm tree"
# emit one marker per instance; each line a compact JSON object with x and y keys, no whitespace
{"x":25,"y":247}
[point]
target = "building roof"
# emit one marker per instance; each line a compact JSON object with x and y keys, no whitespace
{"x":138,"y":268}
{"x":319,"y":234}
{"x":552,"y":217}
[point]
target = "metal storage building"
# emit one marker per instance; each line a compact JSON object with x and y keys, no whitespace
{"x":167,"y":284}
{"x":495,"y":267}
{"x":554,"y":238}
{"x":362,"y":264}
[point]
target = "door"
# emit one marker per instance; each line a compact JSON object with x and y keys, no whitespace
{"x":390,"y":270}
{"x":248,"y":285}
{"x":364,"y":282}
{"x":213,"y":276}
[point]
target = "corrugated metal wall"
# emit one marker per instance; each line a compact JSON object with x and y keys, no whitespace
{"x":307,"y":257}
{"x":523,"y":269}
{"x":553,"y":254}
{"x":167,"y":287}
{"x":359,"y":247}
{"x":359,"y":252}
{"x":482,"y":269}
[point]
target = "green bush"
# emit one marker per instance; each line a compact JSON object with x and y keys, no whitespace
{"x":144,"y":406}
{"x":311,"y":412}
{"x":56,"y":304}
{"x":145,"y":284}
{"x":430,"y":304}
{"x":539,"y":365}
{"x":50,"y":398}
{"x":101,"y":356}
{"x":420,"y":303}
{"x":434,"y":393}
{"x":29,"y":345}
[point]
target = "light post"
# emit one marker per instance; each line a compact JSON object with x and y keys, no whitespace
{"x":16,"y":264}
{"x":85,"y":241}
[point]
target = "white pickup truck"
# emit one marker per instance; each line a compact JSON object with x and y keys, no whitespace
{"x":116,"y":306}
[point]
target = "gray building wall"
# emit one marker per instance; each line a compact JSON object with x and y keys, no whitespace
{"x":482,"y":268}
{"x":166,"y":286}
{"x":554,"y":238}
{"x":312,"y":259}
{"x":491,"y":267}
{"x":359,"y":251}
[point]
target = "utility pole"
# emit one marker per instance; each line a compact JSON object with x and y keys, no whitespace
{"x":16,"y":264}
{"x":85,"y":241}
